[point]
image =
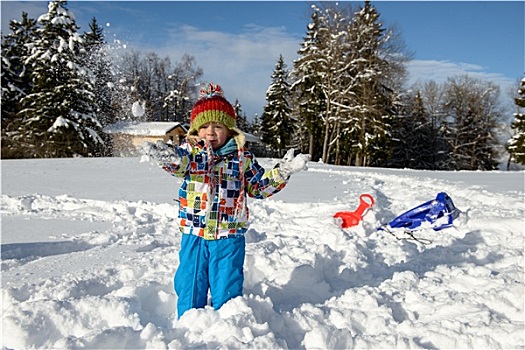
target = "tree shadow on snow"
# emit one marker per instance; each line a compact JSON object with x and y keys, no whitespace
{"x":31,"y":251}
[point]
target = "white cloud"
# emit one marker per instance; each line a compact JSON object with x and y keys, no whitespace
{"x":440,"y":71}
{"x":242,"y":63}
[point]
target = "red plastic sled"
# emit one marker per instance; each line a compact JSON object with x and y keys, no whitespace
{"x":352,"y":218}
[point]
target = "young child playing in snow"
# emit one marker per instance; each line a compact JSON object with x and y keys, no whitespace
{"x":218,"y":171}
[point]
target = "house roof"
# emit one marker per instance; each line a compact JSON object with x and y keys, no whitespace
{"x":251,"y":137}
{"x":143,"y":128}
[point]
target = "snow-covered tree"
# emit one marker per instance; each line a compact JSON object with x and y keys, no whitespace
{"x":415,"y":140}
{"x":124,"y":93}
{"x":96,"y":58}
{"x":377,"y":69}
{"x":334,"y":70}
{"x":277,"y":124}
{"x":16,"y":84}
{"x":179,"y":89}
{"x":516,"y":145}
{"x":309,"y":101}
{"x":242,"y":121}
{"x":433,"y":95}
{"x":350,"y":69}
{"x":58,"y":113}
{"x":168,"y":91}
{"x":473,"y":116}
{"x":255,"y":126}
{"x":322,"y":86}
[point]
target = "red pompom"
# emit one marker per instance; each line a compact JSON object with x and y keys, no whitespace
{"x":211,"y":89}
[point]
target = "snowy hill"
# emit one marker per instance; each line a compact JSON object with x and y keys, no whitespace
{"x":89,"y":249}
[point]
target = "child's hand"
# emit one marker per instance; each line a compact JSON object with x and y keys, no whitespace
{"x":291,"y":164}
{"x":159,"y":151}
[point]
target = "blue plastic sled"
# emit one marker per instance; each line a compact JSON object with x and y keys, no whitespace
{"x":438,"y":214}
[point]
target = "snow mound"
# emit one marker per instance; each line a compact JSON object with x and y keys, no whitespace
{"x":89,"y":249}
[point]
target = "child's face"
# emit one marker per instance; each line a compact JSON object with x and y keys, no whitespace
{"x":215,"y":133}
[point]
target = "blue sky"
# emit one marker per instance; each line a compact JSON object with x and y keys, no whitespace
{"x":237,"y":43}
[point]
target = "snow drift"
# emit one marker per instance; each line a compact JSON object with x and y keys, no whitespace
{"x":89,"y":249}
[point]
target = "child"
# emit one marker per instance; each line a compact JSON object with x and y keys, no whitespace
{"x":218,"y":171}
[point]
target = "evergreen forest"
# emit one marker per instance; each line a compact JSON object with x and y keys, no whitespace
{"x":343,"y":100}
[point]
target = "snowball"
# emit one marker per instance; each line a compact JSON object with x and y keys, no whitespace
{"x":138,"y":109}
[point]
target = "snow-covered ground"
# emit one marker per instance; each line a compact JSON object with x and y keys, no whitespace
{"x":89,"y":249}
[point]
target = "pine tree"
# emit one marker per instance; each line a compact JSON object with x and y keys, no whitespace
{"x":349,"y":67}
{"x":433,"y":96}
{"x":413,"y":137}
{"x":321,"y":78}
{"x":95,"y":58}
{"x":242,"y":122}
{"x":16,"y":84}
{"x":277,"y":125}
{"x":255,"y":126}
{"x":516,"y":145}
{"x":374,"y":96}
{"x":333,"y":69}
{"x":310,"y":106}
{"x":59,"y":117}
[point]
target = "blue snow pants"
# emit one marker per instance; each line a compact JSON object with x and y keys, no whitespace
{"x":216,"y":265}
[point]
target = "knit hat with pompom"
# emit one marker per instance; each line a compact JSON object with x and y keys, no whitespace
{"x":212,"y":107}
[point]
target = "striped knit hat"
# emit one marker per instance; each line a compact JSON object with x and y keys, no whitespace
{"x":212,"y":107}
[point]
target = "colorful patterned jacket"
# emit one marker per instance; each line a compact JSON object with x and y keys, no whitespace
{"x":212,"y":198}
